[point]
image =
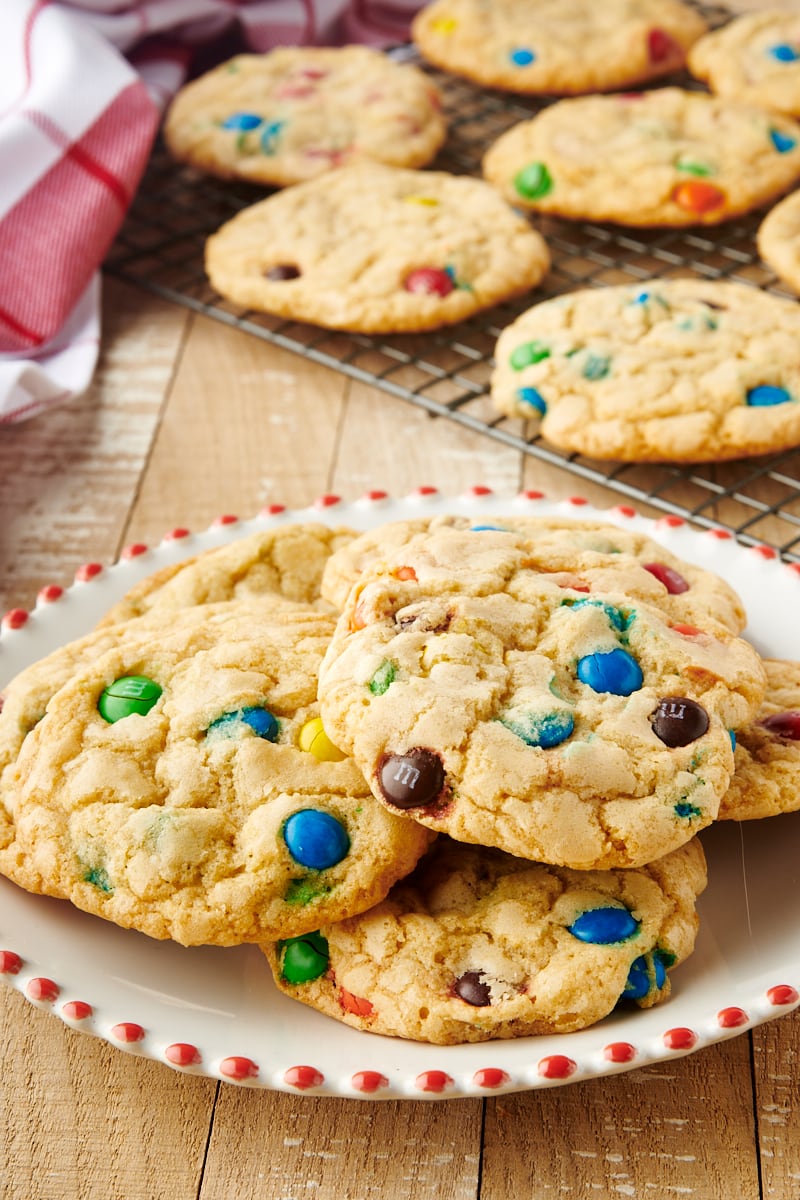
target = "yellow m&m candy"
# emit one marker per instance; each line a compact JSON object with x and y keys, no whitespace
{"x":315,"y":740}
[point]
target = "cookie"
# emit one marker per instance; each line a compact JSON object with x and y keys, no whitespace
{"x":294,"y":113}
{"x":557,"y":46}
{"x":766,"y":778}
{"x":478,"y":945}
{"x":778,"y":240}
{"x":614,"y":558}
{"x":286,"y":561}
{"x":755,"y":58}
{"x":182,"y":784}
{"x":681,"y":370}
{"x":507,"y":708}
{"x":377,"y":249}
{"x":663,"y":158}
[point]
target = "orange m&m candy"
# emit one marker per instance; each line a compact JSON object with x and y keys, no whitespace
{"x":697,"y":196}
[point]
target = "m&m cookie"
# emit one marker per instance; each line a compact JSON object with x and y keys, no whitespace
{"x":754,"y":58}
{"x":584,"y":555}
{"x":476,"y":944}
{"x":286,"y":561}
{"x":182,"y":784}
{"x":296,"y":112}
{"x":561,"y":47}
{"x":766,"y":778}
{"x":508,"y":707}
{"x":668,"y":157}
{"x":377,"y":249}
{"x":679,"y":370}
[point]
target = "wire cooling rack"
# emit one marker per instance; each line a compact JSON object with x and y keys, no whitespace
{"x":161,"y":246}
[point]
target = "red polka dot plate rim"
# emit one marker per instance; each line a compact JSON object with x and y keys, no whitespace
{"x":215,"y":1012}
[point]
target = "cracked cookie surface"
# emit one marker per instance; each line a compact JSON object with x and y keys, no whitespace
{"x":668,"y":370}
{"x":182,"y":784}
{"x":557,"y":46}
{"x":669,"y":157}
{"x":287,"y":561}
{"x":377,"y":249}
{"x":490,"y":701}
{"x":297,"y":112}
{"x":616,"y":559}
{"x":476,"y":944}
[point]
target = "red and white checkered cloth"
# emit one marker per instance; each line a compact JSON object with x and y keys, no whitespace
{"x":77,"y":121}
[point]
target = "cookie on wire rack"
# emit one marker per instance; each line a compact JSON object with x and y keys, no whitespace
{"x":378,"y":250}
{"x":679,"y":370}
{"x":477,"y":945}
{"x":754,"y":58}
{"x":778,"y":240}
{"x":560,"y":47}
{"x":296,"y":112}
{"x":669,"y":157}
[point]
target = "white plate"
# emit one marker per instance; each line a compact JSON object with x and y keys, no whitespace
{"x":216,"y":1012}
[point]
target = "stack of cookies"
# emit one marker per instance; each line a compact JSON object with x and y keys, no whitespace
{"x":448,"y":775}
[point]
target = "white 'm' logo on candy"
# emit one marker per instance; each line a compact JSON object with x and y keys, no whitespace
{"x":406,"y":775}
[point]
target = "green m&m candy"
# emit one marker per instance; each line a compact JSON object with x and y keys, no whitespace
{"x":533,"y":181}
{"x":128,"y":695}
{"x":304,"y":958}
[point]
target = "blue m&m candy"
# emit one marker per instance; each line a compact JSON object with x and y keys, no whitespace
{"x":533,"y":399}
{"x":242,"y":121}
{"x":522,"y":57}
{"x":315,"y":839}
{"x":613,"y":671}
{"x":782,"y":142}
{"x":243,"y":722}
{"x":783,"y":52}
{"x":647,"y":972}
{"x":604,"y":926}
{"x":545,"y":730}
{"x":766,"y":395}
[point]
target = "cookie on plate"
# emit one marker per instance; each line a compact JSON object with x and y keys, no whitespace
{"x":766,"y":778}
{"x":778,"y":240}
{"x":754,"y":58}
{"x":663,"y":158}
{"x":182,"y":784}
{"x":614,"y":558}
{"x":560,"y":47}
{"x":377,"y":249}
{"x":286,"y":561}
{"x":296,"y":112}
{"x":681,"y":370}
{"x":505,"y":707}
{"x":477,"y":945}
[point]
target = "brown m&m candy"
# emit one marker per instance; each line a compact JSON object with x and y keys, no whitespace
{"x":411,"y":780}
{"x":283,"y":271}
{"x":473,"y":989}
{"x":677,"y":720}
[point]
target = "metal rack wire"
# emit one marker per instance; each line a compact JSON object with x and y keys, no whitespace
{"x":160,"y":248}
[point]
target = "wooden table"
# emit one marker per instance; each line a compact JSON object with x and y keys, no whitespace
{"x":188,"y":419}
